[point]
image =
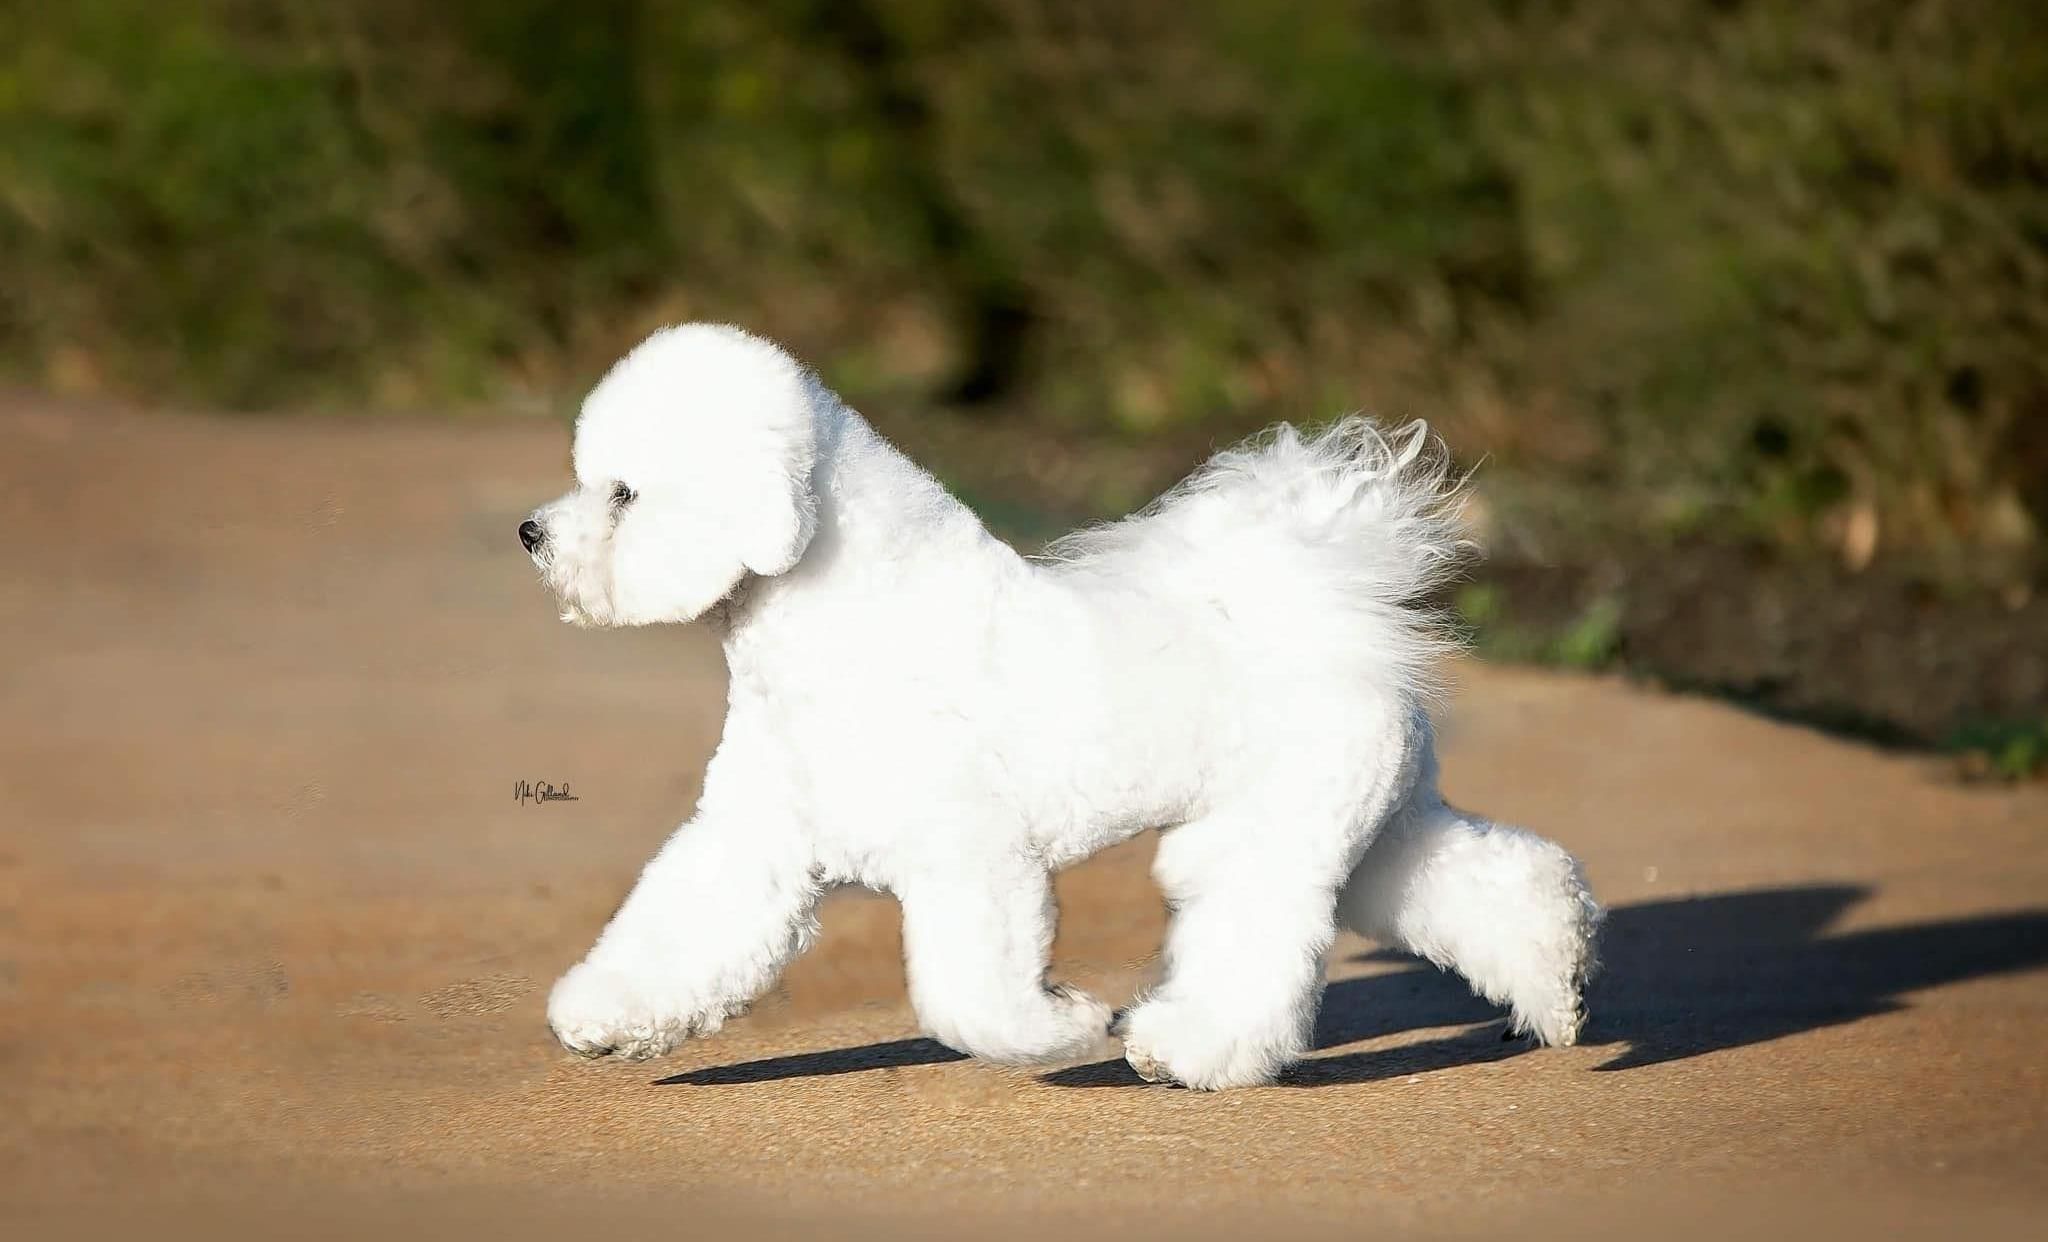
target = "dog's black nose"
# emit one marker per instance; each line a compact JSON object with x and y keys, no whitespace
{"x":531,"y":534}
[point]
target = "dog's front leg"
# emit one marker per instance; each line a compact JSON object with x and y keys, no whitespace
{"x":977,"y":933}
{"x":714,"y":918}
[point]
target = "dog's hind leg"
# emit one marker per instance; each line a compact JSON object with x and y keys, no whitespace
{"x":977,"y":937}
{"x":1505,"y":908}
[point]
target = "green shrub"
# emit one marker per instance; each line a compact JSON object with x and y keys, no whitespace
{"x":1768,"y":268}
{"x":2008,"y":750}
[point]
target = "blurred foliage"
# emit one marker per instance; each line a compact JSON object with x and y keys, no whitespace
{"x":1590,"y":640}
{"x":2010,"y":750}
{"x":1771,"y":268}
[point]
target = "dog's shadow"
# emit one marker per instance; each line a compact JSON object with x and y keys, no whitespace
{"x":894,"y":1054}
{"x":1682,"y":978}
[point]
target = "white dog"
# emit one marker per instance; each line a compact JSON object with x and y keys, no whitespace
{"x":917,"y":708}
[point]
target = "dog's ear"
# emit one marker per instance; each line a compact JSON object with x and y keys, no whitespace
{"x":727,"y":425}
{"x":785,"y":518}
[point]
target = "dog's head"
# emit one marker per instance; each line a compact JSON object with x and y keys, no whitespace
{"x":693,"y":469}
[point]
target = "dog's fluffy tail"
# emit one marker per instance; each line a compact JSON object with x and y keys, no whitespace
{"x":1285,"y":522}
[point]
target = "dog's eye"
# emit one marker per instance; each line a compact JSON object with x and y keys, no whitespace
{"x":622,"y":495}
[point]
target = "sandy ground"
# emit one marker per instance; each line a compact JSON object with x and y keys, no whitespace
{"x":275,"y":933}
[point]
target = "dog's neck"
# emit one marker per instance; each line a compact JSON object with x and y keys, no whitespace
{"x":877,"y":511}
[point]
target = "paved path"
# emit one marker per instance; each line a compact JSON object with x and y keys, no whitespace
{"x":275,"y":935}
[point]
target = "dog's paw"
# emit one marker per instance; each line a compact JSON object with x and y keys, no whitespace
{"x":1170,"y":1042}
{"x":596,"y":1012}
{"x":1552,"y":1015}
{"x":1059,"y":1023}
{"x":1080,"y":1024}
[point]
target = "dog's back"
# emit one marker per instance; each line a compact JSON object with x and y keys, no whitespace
{"x":1326,"y":544}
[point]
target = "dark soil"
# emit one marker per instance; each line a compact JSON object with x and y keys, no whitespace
{"x":1878,"y":654}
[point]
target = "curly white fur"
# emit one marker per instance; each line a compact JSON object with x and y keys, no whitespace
{"x":917,"y":708}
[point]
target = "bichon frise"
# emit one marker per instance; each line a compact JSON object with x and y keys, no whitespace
{"x":917,"y":708}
